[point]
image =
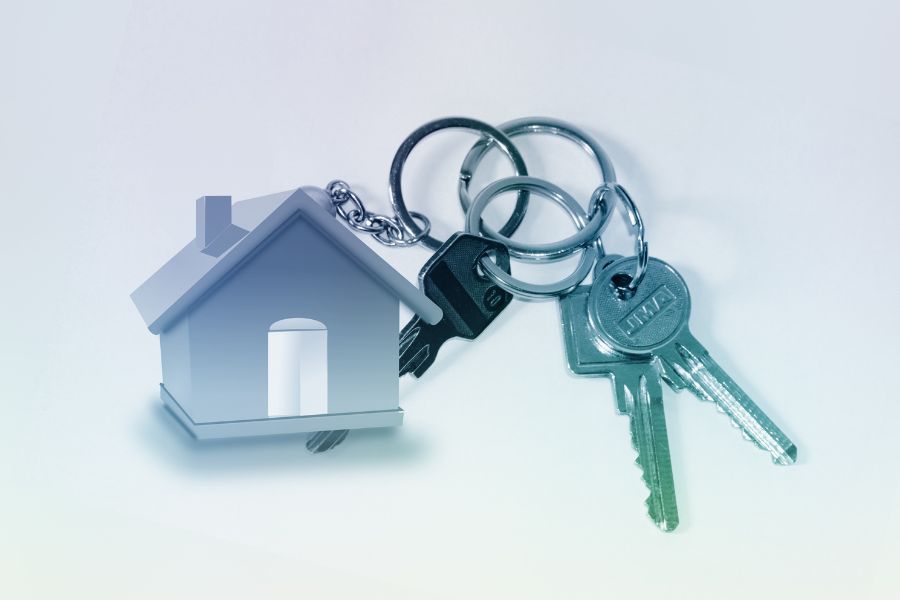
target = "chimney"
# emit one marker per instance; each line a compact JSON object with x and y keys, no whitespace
{"x":213,"y":218}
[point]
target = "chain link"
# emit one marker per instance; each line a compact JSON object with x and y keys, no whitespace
{"x":384,"y":229}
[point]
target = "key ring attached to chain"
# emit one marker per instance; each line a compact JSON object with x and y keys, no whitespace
{"x":408,"y":228}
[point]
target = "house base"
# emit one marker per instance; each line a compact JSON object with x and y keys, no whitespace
{"x":280,"y":425}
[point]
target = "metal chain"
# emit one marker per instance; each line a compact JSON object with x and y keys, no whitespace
{"x":384,"y":229}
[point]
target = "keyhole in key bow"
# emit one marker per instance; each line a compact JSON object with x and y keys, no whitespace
{"x":621,"y":284}
{"x":489,"y":254}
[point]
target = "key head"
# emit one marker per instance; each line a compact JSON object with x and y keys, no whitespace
{"x":585,"y":353}
{"x":469,"y":300}
{"x":648,"y":320}
{"x":453,"y":280}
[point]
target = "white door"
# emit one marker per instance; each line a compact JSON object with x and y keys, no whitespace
{"x":298,"y":368}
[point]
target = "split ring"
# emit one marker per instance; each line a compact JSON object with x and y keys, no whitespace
{"x":495,"y":136}
{"x":627,"y":285}
{"x":589,"y":225}
{"x":530,"y":125}
{"x":589,"y":252}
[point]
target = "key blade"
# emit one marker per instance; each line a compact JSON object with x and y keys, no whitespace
{"x":469,"y":301}
{"x":323,"y":441}
{"x":419,"y":344}
{"x":409,"y":334}
{"x":411,"y":354}
{"x":640,"y":393}
{"x":418,"y":363}
{"x":693,"y":365}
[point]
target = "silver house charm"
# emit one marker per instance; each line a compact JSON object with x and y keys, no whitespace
{"x":277,"y":319}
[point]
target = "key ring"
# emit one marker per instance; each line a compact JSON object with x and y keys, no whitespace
{"x":495,"y":136}
{"x":626,"y":285}
{"x":550,"y":126}
{"x":589,"y":252}
{"x":588,"y":233}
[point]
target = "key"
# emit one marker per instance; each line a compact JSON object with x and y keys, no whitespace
{"x":323,"y":441}
{"x":638,"y":393}
{"x":653,"y":322}
{"x":469,"y":300}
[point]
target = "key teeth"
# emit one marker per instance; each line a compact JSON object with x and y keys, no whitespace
{"x":651,"y":512}
{"x":407,"y":337}
{"x":747,"y":437}
{"x":413,"y":366}
{"x":655,"y":513}
{"x":788,"y":457}
{"x":667,"y":525}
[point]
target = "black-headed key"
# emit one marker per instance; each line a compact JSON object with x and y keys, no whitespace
{"x":470,"y":301}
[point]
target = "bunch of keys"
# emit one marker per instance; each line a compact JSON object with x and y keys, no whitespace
{"x":630,"y":324}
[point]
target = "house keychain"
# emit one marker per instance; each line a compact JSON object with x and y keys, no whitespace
{"x":261,"y":316}
{"x":276,"y":319}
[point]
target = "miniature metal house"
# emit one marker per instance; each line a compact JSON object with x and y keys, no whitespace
{"x":277,"y":319}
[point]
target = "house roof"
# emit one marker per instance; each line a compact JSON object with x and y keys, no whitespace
{"x":188,"y":275}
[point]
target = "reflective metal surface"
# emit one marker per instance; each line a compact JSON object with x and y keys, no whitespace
{"x":588,"y":247}
{"x":627,"y":285}
{"x":403,"y":215}
{"x":383,"y":228}
{"x":654,"y":323}
{"x":532,"y":125}
{"x":588,"y":228}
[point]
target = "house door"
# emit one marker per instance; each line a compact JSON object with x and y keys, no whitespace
{"x":298,"y":368}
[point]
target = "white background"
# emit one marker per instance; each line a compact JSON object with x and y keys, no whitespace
{"x":761,"y":143}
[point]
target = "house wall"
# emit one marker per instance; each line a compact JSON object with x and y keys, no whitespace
{"x":297,"y":273}
{"x":174,"y":345}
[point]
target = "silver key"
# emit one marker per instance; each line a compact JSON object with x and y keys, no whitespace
{"x":653,"y":322}
{"x":638,"y":392}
